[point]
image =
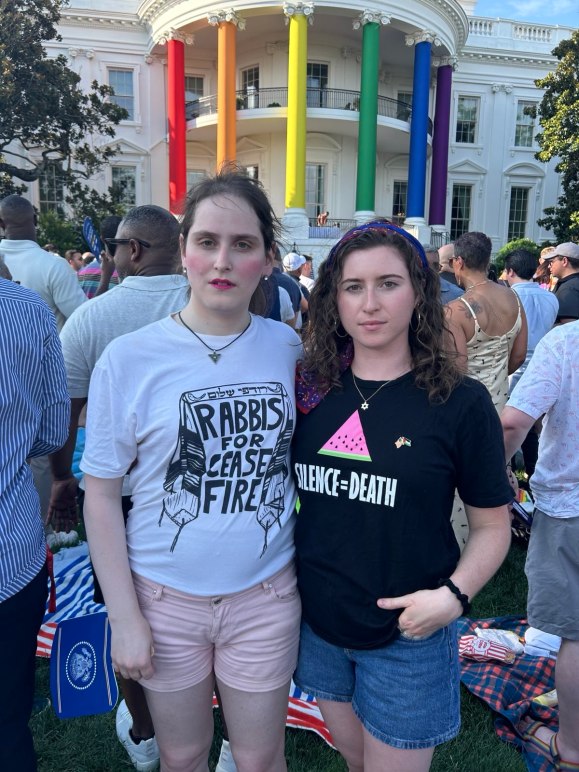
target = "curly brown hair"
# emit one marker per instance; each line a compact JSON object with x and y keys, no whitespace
{"x":326,"y":341}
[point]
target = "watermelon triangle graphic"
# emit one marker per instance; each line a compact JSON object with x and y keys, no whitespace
{"x":348,"y":441}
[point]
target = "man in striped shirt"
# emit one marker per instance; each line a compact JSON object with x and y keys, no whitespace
{"x":34,"y":416}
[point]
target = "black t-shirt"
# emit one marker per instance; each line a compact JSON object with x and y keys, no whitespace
{"x":376,"y":489}
{"x":567,"y":292}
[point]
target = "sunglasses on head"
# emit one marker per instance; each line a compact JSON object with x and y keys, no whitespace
{"x":112,"y":244}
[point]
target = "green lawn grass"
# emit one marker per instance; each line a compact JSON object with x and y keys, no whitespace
{"x":90,"y":744}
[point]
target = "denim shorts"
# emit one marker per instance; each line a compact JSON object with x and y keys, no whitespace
{"x":405,"y":694}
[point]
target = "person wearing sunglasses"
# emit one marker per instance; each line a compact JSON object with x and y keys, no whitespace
{"x":112,"y":244}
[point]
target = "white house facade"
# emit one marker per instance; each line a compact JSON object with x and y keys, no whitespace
{"x":414,"y":113}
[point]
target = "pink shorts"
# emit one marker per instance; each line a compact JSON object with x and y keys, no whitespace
{"x":249,"y":638}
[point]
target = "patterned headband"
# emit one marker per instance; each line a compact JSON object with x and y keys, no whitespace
{"x":379,"y":225}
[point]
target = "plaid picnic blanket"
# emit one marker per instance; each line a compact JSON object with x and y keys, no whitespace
{"x":508,"y":690}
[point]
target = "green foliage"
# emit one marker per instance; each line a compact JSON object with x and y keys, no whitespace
{"x":8,"y":186}
{"x":87,"y":202}
{"x":510,"y":246}
{"x":54,"y":228}
{"x":559,"y":117}
{"x":45,"y":116}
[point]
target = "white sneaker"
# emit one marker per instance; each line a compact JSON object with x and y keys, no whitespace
{"x":226,"y":762}
{"x":145,"y":754}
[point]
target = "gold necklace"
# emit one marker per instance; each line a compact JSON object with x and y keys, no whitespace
{"x":477,"y":284}
{"x":215,"y":354}
{"x":364,"y":404}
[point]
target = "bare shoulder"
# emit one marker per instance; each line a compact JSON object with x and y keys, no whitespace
{"x":506,"y":297}
{"x":458,"y":310}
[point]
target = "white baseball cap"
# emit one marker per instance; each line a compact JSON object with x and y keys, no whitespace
{"x":292,"y":261}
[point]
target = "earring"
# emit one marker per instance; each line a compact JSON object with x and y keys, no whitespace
{"x":337,"y":324}
{"x":184,"y":271}
{"x":418,"y":315}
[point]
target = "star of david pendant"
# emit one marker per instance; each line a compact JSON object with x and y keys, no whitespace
{"x":364,"y":405}
{"x":214,"y":356}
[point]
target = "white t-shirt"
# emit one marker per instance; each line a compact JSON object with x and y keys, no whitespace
{"x":550,"y":385}
{"x":48,"y":274}
{"x":213,"y":495}
{"x":286,"y":310}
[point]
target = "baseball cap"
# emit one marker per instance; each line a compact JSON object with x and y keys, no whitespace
{"x":568,"y":249}
{"x":292,"y":261}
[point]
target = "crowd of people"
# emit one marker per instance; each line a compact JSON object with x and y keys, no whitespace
{"x":221,"y":382}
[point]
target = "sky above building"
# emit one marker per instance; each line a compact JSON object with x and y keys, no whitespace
{"x":565,"y":13}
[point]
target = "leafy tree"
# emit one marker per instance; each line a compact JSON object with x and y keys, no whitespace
{"x":55,"y":229}
{"x":45,"y":115}
{"x":499,"y":258}
{"x":559,"y":138}
{"x":8,"y":186}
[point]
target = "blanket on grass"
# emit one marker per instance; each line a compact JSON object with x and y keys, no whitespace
{"x":74,"y":598}
{"x":508,"y":690}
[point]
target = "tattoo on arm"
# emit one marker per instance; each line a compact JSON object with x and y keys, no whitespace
{"x":476,"y":306}
{"x":466,"y":310}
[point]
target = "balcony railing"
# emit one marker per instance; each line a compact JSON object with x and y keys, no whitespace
{"x":332,"y":229}
{"x":324,"y":98}
{"x":545,"y":36}
{"x":335,"y":229}
{"x":439,"y":238}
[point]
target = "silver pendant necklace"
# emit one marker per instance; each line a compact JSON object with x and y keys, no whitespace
{"x":215,"y":354}
{"x":364,"y":405}
{"x":476,"y":284}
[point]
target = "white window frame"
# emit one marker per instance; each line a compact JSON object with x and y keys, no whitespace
{"x":315,"y":95}
{"x":466,"y":184}
{"x":243,"y":72}
{"x":533,"y":124}
{"x":320,"y":205}
{"x":198,"y":77}
{"x":528,"y":190}
{"x":127,"y":165}
{"x":477,"y":127}
{"x":524,"y":174}
{"x":400,"y":110}
{"x":398,"y":218}
{"x":136,"y":70}
{"x":58,"y":204}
